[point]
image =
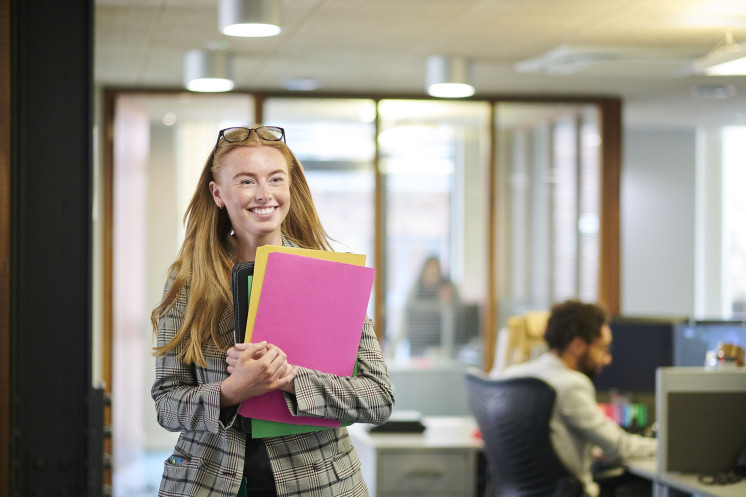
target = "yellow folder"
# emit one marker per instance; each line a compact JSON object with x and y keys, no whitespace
{"x":260,"y":267}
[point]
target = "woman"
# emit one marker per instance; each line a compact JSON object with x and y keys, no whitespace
{"x":432,"y":285}
{"x":252,"y":192}
{"x":430,"y":302}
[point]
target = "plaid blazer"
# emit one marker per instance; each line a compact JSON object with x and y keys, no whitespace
{"x":211,"y":446}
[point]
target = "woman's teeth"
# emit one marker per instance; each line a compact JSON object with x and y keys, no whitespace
{"x":264,"y":211}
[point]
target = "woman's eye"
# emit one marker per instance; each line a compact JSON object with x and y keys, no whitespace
{"x":246,"y":182}
{"x":276,"y":180}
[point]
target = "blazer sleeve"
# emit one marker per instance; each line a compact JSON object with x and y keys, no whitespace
{"x":366,"y":397}
{"x":187,"y":396}
{"x":578,"y":407}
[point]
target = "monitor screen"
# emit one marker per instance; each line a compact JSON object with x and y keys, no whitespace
{"x":693,"y":340}
{"x":431,"y":326}
{"x":638,"y":347}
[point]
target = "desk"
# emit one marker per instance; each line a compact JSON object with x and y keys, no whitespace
{"x":663,"y":483}
{"x":439,"y":462}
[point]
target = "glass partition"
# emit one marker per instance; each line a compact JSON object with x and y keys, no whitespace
{"x":334,"y":139}
{"x":434,"y":164}
{"x":734,"y":232}
{"x":548,"y":191}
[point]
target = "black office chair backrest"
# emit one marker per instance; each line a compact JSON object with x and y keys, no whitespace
{"x":513,"y":416}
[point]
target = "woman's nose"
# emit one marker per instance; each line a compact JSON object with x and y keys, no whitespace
{"x":263,"y":192}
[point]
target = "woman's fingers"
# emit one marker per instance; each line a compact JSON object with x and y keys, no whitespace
{"x":259,"y":368}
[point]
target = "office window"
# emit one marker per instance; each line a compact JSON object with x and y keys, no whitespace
{"x":734,"y":229}
{"x":433,"y":183}
{"x":334,"y":139}
{"x":547,"y":187}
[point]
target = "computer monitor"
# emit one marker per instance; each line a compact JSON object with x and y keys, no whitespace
{"x":639,"y":346}
{"x":423,"y":324}
{"x":701,"y":416}
{"x":468,"y":324}
{"x":439,"y":326}
{"x":692,"y":340}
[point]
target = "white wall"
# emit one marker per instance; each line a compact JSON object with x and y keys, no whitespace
{"x":162,"y":245}
{"x":658,"y":222}
{"x":128,"y":240}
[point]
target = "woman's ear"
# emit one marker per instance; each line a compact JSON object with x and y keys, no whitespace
{"x":215,"y":191}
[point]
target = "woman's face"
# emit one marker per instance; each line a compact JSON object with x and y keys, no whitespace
{"x":254,"y":187}
{"x":431,"y":273}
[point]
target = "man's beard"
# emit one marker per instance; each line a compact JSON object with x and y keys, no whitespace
{"x":586,"y":367}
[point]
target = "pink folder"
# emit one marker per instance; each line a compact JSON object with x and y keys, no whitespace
{"x":314,"y":310}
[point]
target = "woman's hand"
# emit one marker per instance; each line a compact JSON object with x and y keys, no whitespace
{"x":255,"y":369}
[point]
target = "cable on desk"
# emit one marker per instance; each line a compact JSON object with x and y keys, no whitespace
{"x":722,"y":478}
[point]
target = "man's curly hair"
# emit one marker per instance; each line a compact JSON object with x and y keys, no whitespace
{"x":573,"y":318}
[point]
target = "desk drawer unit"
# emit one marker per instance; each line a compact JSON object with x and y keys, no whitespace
{"x":413,"y":472}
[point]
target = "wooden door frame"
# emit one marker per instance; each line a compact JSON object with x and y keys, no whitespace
{"x":5,"y":193}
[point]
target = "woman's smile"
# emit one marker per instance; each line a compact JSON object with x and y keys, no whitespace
{"x":263,"y":211}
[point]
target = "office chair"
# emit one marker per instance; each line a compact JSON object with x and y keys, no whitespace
{"x":513,"y":416}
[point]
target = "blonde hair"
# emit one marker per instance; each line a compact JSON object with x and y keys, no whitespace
{"x":206,"y":257}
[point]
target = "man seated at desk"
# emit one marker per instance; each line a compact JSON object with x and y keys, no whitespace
{"x":578,"y":337}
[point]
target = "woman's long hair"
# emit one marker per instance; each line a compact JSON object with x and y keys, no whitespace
{"x":204,"y":263}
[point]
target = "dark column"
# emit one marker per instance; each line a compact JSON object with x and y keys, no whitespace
{"x":54,"y":426}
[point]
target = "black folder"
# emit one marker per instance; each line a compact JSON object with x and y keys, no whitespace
{"x":240,"y":286}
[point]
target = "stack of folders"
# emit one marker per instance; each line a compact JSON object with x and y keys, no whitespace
{"x":627,"y":415}
{"x":311,"y":304}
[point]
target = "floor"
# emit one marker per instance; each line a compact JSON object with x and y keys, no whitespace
{"x":140,"y":478}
